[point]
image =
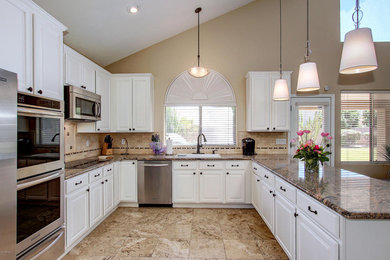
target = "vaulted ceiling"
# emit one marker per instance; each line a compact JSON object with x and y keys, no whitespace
{"x":104,"y":31}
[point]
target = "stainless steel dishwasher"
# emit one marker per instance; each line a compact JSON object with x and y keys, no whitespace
{"x":155,"y":183}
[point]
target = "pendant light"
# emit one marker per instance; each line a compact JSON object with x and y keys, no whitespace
{"x":308,"y":76}
{"x":358,"y":51}
{"x":198,"y":72}
{"x":281,"y":92}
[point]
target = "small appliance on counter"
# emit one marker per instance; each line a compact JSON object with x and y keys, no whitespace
{"x":107,"y":145}
{"x":248,"y":146}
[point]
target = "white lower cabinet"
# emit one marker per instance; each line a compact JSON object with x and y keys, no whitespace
{"x":285,"y":225}
{"x":108,"y":193}
{"x":185,"y":186}
{"x":312,"y":242}
{"x":211,"y":186}
{"x":77,"y":215}
{"x":128,"y":181}
{"x":267,"y":205}
{"x":255,"y":192}
{"x":116,"y":183}
{"x":96,"y":203}
{"x":235,"y":186}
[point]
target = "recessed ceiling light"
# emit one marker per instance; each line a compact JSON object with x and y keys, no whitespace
{"x":132,"y":9}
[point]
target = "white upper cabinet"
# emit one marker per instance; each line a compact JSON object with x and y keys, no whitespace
{"x":103,"y":89}
{"x":132,"y":103}
{"x":262,"y":113}
{"x":79,"y":71}
{"x":48,"y":58}
{"x":33,"y":47}
{"x":16,"y":47}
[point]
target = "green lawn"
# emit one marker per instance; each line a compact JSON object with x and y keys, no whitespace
{"x":355,"y":154}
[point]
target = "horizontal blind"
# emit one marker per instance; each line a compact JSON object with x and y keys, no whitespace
{"x":218,"y":125}
{"x":365,"y":122}
{"x":182,"y":124}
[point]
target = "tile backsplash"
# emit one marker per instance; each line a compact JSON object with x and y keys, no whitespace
{"x":81,"y":145}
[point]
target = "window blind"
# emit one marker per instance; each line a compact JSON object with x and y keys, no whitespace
{"x":365,"y":122}
{"x":183,"y":124}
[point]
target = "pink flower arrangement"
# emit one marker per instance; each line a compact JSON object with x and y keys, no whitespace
{"x":310,"y":152}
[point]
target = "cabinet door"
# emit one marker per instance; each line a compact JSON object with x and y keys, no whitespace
{"x":211,"y":184}
{"x":88,"y":74}
{"x":235,"y":186}
{"x":103,"y":89}
{"x":77,"y":215}
{"x":16,"y":43}
{"x":142,"y":104}
{"x":128,"y":181}
{"x":312,"y":242}
{"x":285,"y":225}
{"x":185,"y":186}
{"x":116,"y":183}
{"x":96,"y":202}
{"x":124,"y":113}
{"x":108,"y":193}
{"x":267,"y":205}
{"x":260,"y":103}
{"x":280,"y":109}
{"x":73,"y":68}
{"x":48,"y":58}
{"x":256,"y":189}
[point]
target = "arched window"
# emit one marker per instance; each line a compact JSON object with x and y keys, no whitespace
{"x":200,"y":105}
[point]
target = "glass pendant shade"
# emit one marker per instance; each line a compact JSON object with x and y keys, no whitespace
{"x":308,"y":77}
{"x":281,"y":92}
{"x":358,"y":52}
{"x":198,"y":72}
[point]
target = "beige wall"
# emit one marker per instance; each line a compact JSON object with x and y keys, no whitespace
{"x":245,"y":40}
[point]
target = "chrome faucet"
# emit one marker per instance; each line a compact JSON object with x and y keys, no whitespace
{"x":199,"y":145}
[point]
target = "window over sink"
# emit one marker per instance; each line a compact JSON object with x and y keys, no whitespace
{"x":200,"y":105}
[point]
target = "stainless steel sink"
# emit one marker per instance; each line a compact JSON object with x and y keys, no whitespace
{"x":192,"y":155}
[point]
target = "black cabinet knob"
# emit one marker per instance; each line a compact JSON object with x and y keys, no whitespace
{"x":106,"y":180}
{"x":227,"y":173}
{"x":267,"y":128}
{"x":30,"y":89}
{"x":102,"y":182}
{"x":201,"y":173}
{"x":258,"y":180}
{"x":133,"y":162}
{"x":295,"y":214}
{"x":40,"y":91}
{"x":194,"y":173}
{"x":133,"y":129}
{"x":129,"y":129}
{"x":274,"y":128}
{"x":88,"y":190}
{"x":274,"y":195}
{"x":98,"y":129}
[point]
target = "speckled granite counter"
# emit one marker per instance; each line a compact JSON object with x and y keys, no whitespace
{"x":350,"y":194}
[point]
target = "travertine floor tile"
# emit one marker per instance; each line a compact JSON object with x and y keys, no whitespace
{"x":180,"y":234}
{"x":207,"y":248}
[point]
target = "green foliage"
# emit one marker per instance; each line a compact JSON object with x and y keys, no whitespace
{"x":349,"y":136}
{"x":181,"y":126}
{"x":315,"y":125}
{"x":350,"y":119}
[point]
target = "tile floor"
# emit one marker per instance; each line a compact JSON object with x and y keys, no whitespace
{"x":172,"y":233}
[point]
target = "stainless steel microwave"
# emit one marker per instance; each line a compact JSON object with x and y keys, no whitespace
{"x":82,"y":104}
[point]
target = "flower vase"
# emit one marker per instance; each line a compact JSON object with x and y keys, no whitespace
{"x":157,"y":148}
{"x":312,"y":166}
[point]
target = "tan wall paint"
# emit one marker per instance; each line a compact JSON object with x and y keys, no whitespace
{"x":247,"y":39}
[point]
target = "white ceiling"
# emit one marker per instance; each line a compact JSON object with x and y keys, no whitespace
{"x":104,"y":31}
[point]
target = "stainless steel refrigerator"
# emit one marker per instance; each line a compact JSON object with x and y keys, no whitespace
{"x":8,"y":147}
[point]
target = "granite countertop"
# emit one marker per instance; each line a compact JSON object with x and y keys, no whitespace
{"x":352,"y":195}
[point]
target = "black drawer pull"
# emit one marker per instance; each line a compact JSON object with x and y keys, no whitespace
{"x":235,"y":165}
{"x":312,"y":211}
{"x":265,"y":176}
{"x":210,"y":165}
{"x":77,"y":183}
{"x":96,"y":175}
{"x":255,"y":168}
{"x":184,"y":165}
{"x":282,"y":189}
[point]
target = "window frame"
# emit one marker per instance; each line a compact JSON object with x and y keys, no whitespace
{"x":205,"y":144}
{"x":371,"y":140}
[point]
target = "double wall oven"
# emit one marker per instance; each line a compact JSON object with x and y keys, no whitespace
{"x":40,"y":164}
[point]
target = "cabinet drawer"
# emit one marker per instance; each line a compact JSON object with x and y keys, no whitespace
{"x":211,"y":165}
{"x":286,"y":190}
{"x":189,"y":165}
{"x":236,"y":165}
{"x":319,"y":213}
{"x":267,"y":177}
{"x":95,"y":175}
{"x":256,"y":169}
{"x":76,"y":183}
{"x":108,"y":169}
